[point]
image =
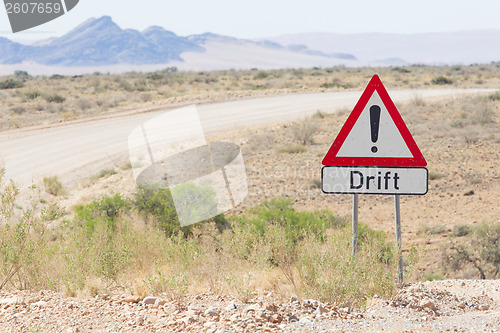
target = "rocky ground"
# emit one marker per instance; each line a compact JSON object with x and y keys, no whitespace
{"x":453,"y":305}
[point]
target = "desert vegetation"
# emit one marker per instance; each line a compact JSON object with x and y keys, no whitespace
{"x":136,"y":245}
{"x":287,"y":237}
{"x":40,"y":100}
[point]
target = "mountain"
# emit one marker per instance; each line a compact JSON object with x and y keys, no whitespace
{"x":461,"y":47}
{"x":101,"y":42}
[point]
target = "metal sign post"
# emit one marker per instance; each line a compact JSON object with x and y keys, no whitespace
{"x":397,"y":217}
{"x":354,"y":223}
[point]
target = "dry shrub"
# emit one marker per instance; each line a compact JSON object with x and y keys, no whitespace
{"x":304,"y":130}
{"x":292,"y":149}
{"x":259,"y":142}
{"x":83,"y":103}
{"x":53,"y":186}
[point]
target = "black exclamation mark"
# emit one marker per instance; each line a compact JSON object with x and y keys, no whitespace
{"x":374,"y":124}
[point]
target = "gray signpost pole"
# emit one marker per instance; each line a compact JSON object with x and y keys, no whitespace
{"x":398,"y":238}
{"x":354,"y":223}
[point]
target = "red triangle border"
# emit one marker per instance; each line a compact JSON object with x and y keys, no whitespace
{"x":331,"y":157}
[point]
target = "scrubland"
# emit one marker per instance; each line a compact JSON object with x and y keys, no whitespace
{"x":43,"y":100}
{"x":287,"y":238}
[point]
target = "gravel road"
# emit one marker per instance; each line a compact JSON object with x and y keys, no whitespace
{"x":85,"y":148}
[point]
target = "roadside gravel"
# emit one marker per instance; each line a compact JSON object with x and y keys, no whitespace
{"x":456,"y":305}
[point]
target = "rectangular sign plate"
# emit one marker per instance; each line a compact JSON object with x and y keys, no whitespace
{"x":374,"y":180}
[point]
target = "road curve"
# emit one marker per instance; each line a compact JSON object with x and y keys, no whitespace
{"x":78,"y":150}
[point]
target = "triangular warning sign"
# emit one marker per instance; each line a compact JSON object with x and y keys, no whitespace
{"x":374,"y":134}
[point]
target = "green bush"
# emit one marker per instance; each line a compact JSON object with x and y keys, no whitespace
{"x":480,"y":250}
{"x":432,"y":276}
{"x":442,"y":80}
{"x":106,"y":209}
{"x":261,"y":75}
{"x":32,"y":94}
{"x":53,"y":185}
{"x":296,"y":224}
{"x":460,"y":230}
{"x":157,"y":206}
{"x":54,"y":98}
{"x":23,"y":237}
{"x":10,"y":84}
{"x":22,"y":74}
{"x":494,"y":96}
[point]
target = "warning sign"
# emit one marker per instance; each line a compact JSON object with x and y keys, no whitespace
{"x":374,"y":134}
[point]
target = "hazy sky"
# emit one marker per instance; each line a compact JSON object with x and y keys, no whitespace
{"x":261,"y":18}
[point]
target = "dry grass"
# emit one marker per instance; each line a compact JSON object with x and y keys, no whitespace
{"x":304,"y":130}
{"x":292,"y":149}
{"x":137,"y":257}
{"x":107,"y":247}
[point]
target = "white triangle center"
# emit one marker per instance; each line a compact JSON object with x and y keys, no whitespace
{"x":389,"y":143}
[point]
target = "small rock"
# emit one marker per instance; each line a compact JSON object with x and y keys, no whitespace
{"x":194,"y":310}
{"x":7,"y":302}
{"x":188,"y":320}
{"x":469,"y":193}
{"x":39,"y":304}
{"x":312,"y":302}
{"x":160,"y":302}
{"x":427,"y":303}
{"x":483,"y":307}
{"x":276,"y":318}
{"x":321,"y":310}
{"x":293,"y":319}
{"x":253,"y":307}
{"x":149,"y":300}
{"x":461,"y":305}
{"x":73,"y":330}
{"x":304,"y":321}
{"x":271,"y":307}
{"x":140,"y":321}
{"x":130,"y":299}
{"x":345,"y":304}
{"x":231,"y":306}
{"x":294,"y":299}
{"x":211,"y":312}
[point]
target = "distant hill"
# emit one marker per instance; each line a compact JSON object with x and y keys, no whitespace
{"x":462,"y":47}
{"x":101,"y":42}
